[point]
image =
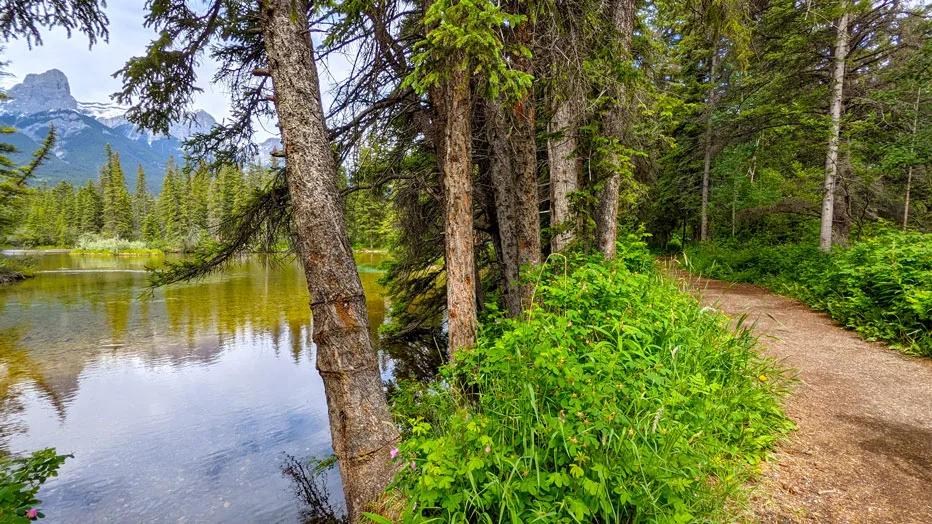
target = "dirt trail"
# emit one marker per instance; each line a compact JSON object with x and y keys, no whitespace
{"x":863,"y":450}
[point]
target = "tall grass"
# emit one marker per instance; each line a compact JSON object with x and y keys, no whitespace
{"x":881,"y":286}
{"x":616,"y":399}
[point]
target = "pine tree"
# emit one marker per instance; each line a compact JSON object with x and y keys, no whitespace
{"x":141,"y":202}
{"x":171,"y":206}
{"x":117,"y":206}
{"x":91,"y":208}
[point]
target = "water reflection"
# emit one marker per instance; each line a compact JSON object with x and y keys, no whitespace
{"x":177,"y":407}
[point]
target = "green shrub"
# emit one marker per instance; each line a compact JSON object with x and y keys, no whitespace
{"x":99,"y":245}
{"x":15,"y":269}
{"x":881,"y":286}
{"x":617,"y":399}
{"x":20,"y":480}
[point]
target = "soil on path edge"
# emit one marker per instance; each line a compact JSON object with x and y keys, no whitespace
{"x":863,"y":448}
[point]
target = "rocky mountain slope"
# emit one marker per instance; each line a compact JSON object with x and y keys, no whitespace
{"x":84,"y":129}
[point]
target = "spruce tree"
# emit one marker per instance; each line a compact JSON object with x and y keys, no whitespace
{"x":171,"y":205}
{"x":141,"y":201}
{"x":117,"y":206}
{"x":91,"y":208}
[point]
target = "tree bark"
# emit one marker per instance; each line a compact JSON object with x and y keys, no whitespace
{"x":512,"y":137}
{"x":457,"y":184}
{"x":564,"y":166}
{"x":506,"y":207}
{"x":707,"y":165}
{"x":835,"y":110}
{"x":360,"y":423}
{"x":524,"y":140}
{"x":909,"y":183}
{"x":909,"y":173}
{"x":606,"y":217}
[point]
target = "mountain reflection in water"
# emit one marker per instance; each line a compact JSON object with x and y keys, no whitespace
{"x":180,"y":406}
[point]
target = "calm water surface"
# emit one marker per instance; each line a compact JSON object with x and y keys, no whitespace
{"x":178,"y":407}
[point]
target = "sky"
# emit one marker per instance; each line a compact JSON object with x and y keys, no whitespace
{"x":90,"y":71}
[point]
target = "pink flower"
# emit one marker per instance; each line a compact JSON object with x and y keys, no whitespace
{"x":394,"y":452}
{"x":488,"y":449}
{"x":413,"y":465}
{"x":32,"y":513}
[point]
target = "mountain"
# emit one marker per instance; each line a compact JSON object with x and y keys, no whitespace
{"x":84,"y":129}
{"x":264,"y":156}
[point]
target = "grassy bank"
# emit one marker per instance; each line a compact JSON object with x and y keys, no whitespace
{"x":14,"y":270}
{"x":880,"y":287}
{"x":98,"y":245}
{"x":617,"y":399}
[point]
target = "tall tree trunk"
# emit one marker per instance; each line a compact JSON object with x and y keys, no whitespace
{"x":360,"y":423}
{"x":506,"y":206}
{"x":512,"y":137}
{"x":564,"y":166}
{"x":909,"y":183}
{"x":835,"y":110}
{"x":457,"y":186}
{"x":909,"y":173}
{"x":622,"y":14}
{"x":707,"y":166}
{"x":524,"y":140}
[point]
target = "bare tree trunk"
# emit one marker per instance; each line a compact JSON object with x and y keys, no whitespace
{"x":457,"y":185}
{"x":524,"y":139}
{"x":606,"y":216}
{"x":564,"y":166}
{"x":360,"y":423}
{"x":909,"y":173}
{"x":835,"y":110}
{"x":506,"y":208}
{"x":512,"y":137}
{"x":707,"y":166}
{"x":909,"y":183}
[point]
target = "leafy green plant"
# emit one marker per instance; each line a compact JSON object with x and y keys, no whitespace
{"x":616,"y":399}
{"x":20,"y":480}
{"x":880,"y":287}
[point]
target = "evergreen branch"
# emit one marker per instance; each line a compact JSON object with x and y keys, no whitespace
{"x":266,"y":213}
{"x":38,"y":157}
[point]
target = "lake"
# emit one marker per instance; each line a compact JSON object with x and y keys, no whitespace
{"x":178,"y":407}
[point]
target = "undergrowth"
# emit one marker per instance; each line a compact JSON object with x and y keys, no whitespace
{"x":616,"y":399}
{"x":99,"y":245}
{"x":880,"y":287}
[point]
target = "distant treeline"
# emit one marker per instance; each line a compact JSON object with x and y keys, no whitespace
{"x":194,"y":202}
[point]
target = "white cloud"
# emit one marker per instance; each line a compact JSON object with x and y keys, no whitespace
{"x":90,"y":71}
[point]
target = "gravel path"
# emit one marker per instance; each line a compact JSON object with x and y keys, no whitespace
{"x":863,"y":448}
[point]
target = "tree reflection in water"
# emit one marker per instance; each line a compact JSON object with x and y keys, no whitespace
{"x":308,"y":483}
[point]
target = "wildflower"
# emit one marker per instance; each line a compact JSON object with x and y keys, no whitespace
{"x":488,"y":449}
{"x":763,"y":378}
{"x":413,"y":465}
{"x":32,"y":513}
{"x":394,"y":452}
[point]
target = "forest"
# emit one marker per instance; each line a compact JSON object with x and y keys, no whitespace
{"x":524,"y":163}
{"x":191,"y":208}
